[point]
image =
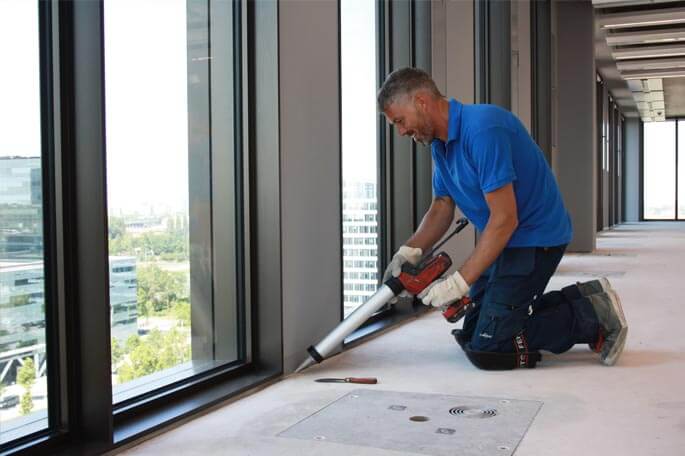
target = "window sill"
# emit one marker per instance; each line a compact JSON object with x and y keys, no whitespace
{"x":130,"y":425}
{"x":387,"y":319}
{"x":23,"y":425}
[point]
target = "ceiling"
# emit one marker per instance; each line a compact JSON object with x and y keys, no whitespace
{"x":640,"y":50}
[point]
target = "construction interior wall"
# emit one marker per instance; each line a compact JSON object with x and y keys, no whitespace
{"x":311,"y":232}
{"x":573,"y":154}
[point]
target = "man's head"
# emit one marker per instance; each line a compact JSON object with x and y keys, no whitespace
{"x":409,"y":99}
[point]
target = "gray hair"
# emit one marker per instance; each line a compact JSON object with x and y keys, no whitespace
{"x":402,"y":82}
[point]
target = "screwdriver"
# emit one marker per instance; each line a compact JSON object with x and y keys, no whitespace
{"x":362,"y":380}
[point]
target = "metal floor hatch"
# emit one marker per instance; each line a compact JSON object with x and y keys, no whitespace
{"x":431,"y":424}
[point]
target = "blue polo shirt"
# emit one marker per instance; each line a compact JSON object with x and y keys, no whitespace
{"x":488,"y":147}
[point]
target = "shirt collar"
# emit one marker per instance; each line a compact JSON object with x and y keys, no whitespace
{"x":453,"y":123}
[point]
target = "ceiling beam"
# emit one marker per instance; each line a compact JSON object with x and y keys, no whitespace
{"x":617,"y":3}
{"x":647,"y":18}
{"x":653,"y":74}
{"x":646,"y":37}
{"x":650,"y":64}
{"x":649,"y":52}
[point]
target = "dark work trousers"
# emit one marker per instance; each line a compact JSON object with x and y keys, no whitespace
{"x":509,"y":302}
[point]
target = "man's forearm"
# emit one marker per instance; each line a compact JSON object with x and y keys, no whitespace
{"x":494,"y":239}
{"x":434,"y":225}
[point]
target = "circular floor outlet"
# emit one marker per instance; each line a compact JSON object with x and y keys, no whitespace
{"x":419,"y":419}
{"x":319,"y":437}
{"x":502,"y":447}
{"x":472,"y":412}
{"x":504,"y":401}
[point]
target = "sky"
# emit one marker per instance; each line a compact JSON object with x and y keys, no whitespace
{"x":146,"y":105}
{"x":146,"y":96}
{"x":358,"y":72}
{"x":19,"y":88}
{"x":659,"y":169}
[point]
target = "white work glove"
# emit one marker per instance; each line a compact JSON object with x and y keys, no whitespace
{"x":445,"y":291}
{"x":404,"y":254}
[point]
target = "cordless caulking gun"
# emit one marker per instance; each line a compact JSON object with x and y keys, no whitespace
{"x":414,"y":279}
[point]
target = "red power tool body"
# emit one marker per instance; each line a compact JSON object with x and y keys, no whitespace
{"x":417,"y":278}
{"x":455,"y":311}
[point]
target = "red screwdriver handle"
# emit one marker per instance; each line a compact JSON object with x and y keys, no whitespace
{"x":363,"y":380}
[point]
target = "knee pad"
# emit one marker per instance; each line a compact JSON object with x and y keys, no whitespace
{"x":496,"y":360}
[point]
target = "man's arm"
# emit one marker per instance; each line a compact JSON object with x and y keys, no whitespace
{"x":434,"y":225}
{"x":499,"y":229}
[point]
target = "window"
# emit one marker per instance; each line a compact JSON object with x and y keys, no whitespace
{"x":659,"y":170}
{"x":23,"y":356}
{"x":167,"y":237}
{"x":359,"y":143}
{"x":680,"y":182}
{"x":175,"y":233}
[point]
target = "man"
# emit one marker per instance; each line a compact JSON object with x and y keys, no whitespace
{"x":487,"y":164}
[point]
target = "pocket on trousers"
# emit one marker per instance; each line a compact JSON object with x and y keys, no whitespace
{"x":494,"y":320}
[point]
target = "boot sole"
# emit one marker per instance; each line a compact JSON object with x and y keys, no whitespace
{"x":617,"y":348}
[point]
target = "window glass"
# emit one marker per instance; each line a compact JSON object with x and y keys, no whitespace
{"x":659,"y":172}
{"x":23,"y":365}
{"x":166,"y":87}
{"x":681,"y":170}
{"x":360,"y":216}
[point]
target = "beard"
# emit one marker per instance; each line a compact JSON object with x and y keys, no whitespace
{"x":424,"y":134}
{"x":421,"y":139}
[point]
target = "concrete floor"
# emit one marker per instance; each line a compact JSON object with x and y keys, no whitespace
{"x":634,"y":408}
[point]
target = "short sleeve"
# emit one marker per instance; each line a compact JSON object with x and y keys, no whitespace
{"x":439,"y":188}
{"x":491,"y":155}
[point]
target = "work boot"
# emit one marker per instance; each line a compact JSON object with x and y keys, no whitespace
{"x":600,"y":285}
{"x":614,"y":327}
{"x":586,"y":289}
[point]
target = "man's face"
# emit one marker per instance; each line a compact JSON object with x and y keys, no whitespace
{"x":411,"y":119}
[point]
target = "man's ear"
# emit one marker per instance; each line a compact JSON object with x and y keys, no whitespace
{"x":421,"y":101}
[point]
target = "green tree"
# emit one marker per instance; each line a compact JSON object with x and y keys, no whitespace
{"x":142,"y":297}
{"x":159,"y":290}
{"x":117,"y":351}
{"x":26,"y":404}
{"x":132,"y":342}
{"x":156,"y":352}
{"x":26,"y":377}
{"x":142,"y":361}
{"x":181,"y":311}
{"x":27,"y":373}
{"x":171,"y":245}
{"x":116,"y":227}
